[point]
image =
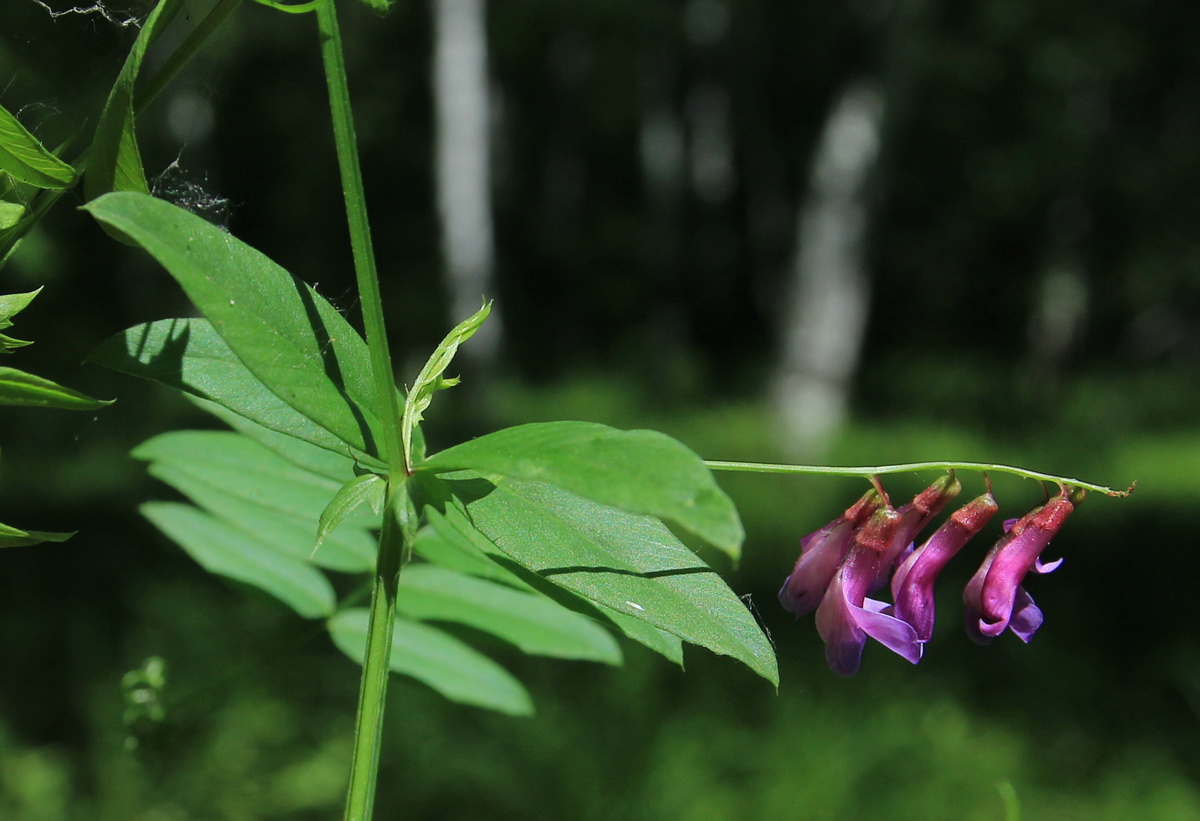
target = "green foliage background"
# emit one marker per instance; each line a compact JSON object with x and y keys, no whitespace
{"x":1023,"y":137}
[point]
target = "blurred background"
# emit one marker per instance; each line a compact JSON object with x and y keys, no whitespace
{"x":848,"y":233}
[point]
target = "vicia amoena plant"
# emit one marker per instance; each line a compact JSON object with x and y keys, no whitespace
{"x":555,"y":537}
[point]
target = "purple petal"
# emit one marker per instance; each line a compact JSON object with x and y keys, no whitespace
{"x":912,"y":586}
{"x":1026,"y":617}
{"x":815,"y":569}
{"x":1018,"y":554}
{"x":846,"y":618}
{"x":1048,"y":567}
{"x":894,"y":634}
{"x":836,"y":624}
{"x":973,"y":600}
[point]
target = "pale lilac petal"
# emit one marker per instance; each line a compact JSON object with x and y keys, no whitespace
{"x":846,"y":617}
{"x":1048,"y":567}
{"x":1026,"y":617}
{"x":894,"y":634}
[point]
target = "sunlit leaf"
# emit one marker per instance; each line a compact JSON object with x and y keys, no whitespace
{"x":13,"y":304}
{"x":288,"y":336}
{"x":25,"y":389}
{"x":640,"y":471}
{"x":242,"y":467}
{"x":348,"y":549}
{"x":438,"y":660}
{"x":27,"y":160}
{"x":532,"y":623}
{"x":628,"y":562}
{"x":337,"y":465}
{"x":188,"y":355}
{"x":452,"y":541}
{"x":225,"y":550}
{"x":10,"y":214}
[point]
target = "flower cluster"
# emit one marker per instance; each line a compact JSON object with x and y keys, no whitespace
{"x":857,"y":553}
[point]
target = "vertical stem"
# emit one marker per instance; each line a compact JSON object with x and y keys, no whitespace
{"x":184,"y":53}
{"x":360,"y":238}
{"x":395,"y":534}
{"x":372,"y":694}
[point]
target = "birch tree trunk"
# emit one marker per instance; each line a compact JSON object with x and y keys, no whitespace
{"x":460,"y":79}
{"x":828,"y":300}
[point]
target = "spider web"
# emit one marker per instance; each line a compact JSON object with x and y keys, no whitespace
{"x":174,"y":186}
{"x":117,"y":17}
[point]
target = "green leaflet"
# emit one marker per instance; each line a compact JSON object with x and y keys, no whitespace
{"x":228,"y":551}
{"x":528,"y":621}
{"x":368,"y":488}
{"x":25,"y":389}
{"x":239,"y":466}
{"x":12,"y":537}
{"x":438,"y":660}
{"x":640,"y":471}
{"x":334,"y":464}
{"x":114,"y":163}
{"x":188,"y":355}
{"x":447,"y":542}
{"x":27,"y":160}
{"x":628,"y":562}
{"x":431,"y":379}
{"x":10,"y":214}
{"x":253,"y":488}
{"x":10,"y":306}
{"x":13,"y":304}
{"x":451,"y":541}
{"x":289,"y":337}
{"x":8,"y":344}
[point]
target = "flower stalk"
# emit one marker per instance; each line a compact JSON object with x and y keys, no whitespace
{"x":912,"y":467}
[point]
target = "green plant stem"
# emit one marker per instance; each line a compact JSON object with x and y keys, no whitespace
{"x":368,"y":723}
{"x":982,"y":467}
{"x":387,"y":402}
{"x":396,"y":533}
{"x":186,"y":51}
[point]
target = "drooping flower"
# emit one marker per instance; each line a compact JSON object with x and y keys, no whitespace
{"x":846,"y":617}
{"x":994,"y":598}
{"x":912,"y":584}
{"x":912,"y":520}
{"x":821,"y":552}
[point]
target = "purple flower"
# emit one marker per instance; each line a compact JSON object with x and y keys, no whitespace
{"x":994,"y":598}
{"x":913,"y":518}
{"x":846,"y":617}
{"x":912,"y":585}
{"x":821,"y":553}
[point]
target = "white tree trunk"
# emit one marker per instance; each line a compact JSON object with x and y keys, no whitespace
{"x":830,"y":291}
{"x":460,"y":79}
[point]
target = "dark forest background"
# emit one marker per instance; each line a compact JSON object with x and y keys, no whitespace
{"x":1031,"y":263}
